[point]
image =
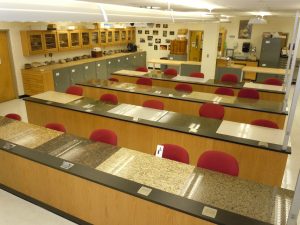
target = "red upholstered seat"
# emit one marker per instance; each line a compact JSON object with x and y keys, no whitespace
{"x":211,"y":110}
{"x":231,"y":78}
{"x":155,"y":104}
{"x":113,"y":79}
{"x":56,"y":126}
{"x":224,"y":91}
{"x":248,"y":93}
{"x":219,"y":162}
{"x":176,"y":153}
{"x":142,"y":69}
{"x":184,"y":87}
{"x":109,"y":98}
{"x":273,"y":81}
{"x":13,"y":116}
{"x":144,"y":81}
{"x":197,"y":74}
{"x":170,"y":72}
{"x":105,"y":136}
{"x":74,"y":90}
{"x":265,"y":123}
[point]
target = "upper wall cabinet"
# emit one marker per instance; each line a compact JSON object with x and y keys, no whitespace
{"x":42,"y":42}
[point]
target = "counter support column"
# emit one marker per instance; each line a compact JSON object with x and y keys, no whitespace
{"x":295,"y":207}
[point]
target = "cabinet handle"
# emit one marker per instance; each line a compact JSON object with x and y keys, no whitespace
{"x":73,"y":70}
{"x":119,"y":60}
{"x":86,"y":67}
{"x":109,"y":62}
{"x":98,"y":65}
{"x":57,"y":74}
{"x":126,"y":58}
{"x":134,"y":56}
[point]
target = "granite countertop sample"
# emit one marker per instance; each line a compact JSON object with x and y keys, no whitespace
{"x":230,"y":101}
{"x":223,"y":192}
{"x":27,"y":135}
{"x":193,"y":125}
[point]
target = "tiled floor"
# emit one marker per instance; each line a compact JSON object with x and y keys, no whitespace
{"x":28,"y":213}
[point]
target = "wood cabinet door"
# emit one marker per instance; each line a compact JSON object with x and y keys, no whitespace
{"x":7,"y":86}
{"x":75,"y":40}
{"x":85,"y":39}
{"x":50,"y":41}
{"x":63,"y":40}
{"x":36,"y":43}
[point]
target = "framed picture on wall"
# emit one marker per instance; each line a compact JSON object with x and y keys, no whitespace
{"x":155,"y":47}
{"x":155,"y":32}
{"x":150,"y":44}
{"x":163,"y":47}
{"x":169,"y":47}
{"x":147,"y":32}
{"x":142,"y":40}
{"x":165,"y":25}
{"x":245,"y":29}
{"x":157,"y":25}
{"x":157,"y":40}
{"x":168,"y":41}
{"x":150,"y":38}
{"x":165,"y":33}
{"x":172,"y":32}
{"x":140,"y":31}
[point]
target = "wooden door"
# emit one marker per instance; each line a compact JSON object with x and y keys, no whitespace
{"x":195,"y":46}
{"x":7,"y":87}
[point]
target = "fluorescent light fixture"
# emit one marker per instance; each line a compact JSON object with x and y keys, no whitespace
{"x":103,"y":13}
{"x":257,"y":20}
{"x":194,"y":4}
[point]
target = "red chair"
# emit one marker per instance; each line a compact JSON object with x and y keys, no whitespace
{"x":74,"y":90}
{"x":142,"y":69}
{"x":144,"y":81}
{"x":170,"y":72}
{"x":210,"y":110}
{"x":109,"y":98}
{"x":224,"y":91}
{"x":105,"y":136}
{"x":273,"y":81}
{"x":197,"y":74}
{"x":176,"y":153}
{"x":219,"y":162}
{"x":265,"y":123}
{"x":230,"y":78}
{"x":56,"y":126}
{"x":154,"y":104}
{"x":13,"y":116}
{"x":184,"y":87}
{"x":113,"y":79}
{"x":248,"y":93}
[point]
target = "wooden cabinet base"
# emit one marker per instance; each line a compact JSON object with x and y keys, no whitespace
{"x":256,"y":164}
{"x":186,"y":107}
{"x":84,"y":199}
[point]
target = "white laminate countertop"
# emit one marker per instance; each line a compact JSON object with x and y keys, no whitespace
{"x":57,"y":97}
{"x":252,"y":132}
{"x":263,"y":86}
{"x":130,"y":73}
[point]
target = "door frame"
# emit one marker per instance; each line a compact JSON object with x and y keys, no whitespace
{"x":12,"y":63}
{"x":189,"y":41}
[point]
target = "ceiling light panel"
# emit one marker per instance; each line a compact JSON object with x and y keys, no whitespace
{"x":194,"y":4}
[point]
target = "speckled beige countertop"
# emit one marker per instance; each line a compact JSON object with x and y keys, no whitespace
{"x":27,"y":135}
{"x":57,"y":97}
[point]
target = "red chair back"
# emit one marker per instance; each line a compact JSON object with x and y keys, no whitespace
{"x":176,"y":153}
{"x":113,"y":79}
{"x":74,"y":90}
{"x":219,"y":162}
{"x":56,"y":126}
{"x":105,"y":136}
{"x":144,"y":81}
{"x":197,"y":74}
{"x":184,"y":87}
{"x":155,"y":104}
{"x":265,"y":123}
{"x":224,"y":91}
{"x":170,"y":72}
{"x":211,"y":110}
{"x":231,"y":78}
{"x":109,"y":98}
{"x":13,"y":116}
{"x":248,"y":93}
{"x":273,"y":81}
{"x":142,"y":69}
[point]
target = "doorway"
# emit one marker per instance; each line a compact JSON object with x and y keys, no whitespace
{"x":195,"y":45}
{"x":7,"y":85}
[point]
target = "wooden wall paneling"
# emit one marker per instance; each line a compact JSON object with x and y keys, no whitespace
{"x":259,"y":165}
{"x":84,"y":199}
{"x":186,"y":107}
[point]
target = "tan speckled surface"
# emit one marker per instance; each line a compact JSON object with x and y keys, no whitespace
{"x":57,"y":97}
{"x":27,"y":135}
{"x":148,"y":170}
{"x":211,"y":97}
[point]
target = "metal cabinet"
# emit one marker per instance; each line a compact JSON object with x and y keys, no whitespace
{"x":61,"y":78}
{"x":76,"y":74}
{"x":187,"y":69}
{"x":89,"y":71}
{"x":220,"y":71}
{"x":101,"y":69}
{"x":114,"y":65}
